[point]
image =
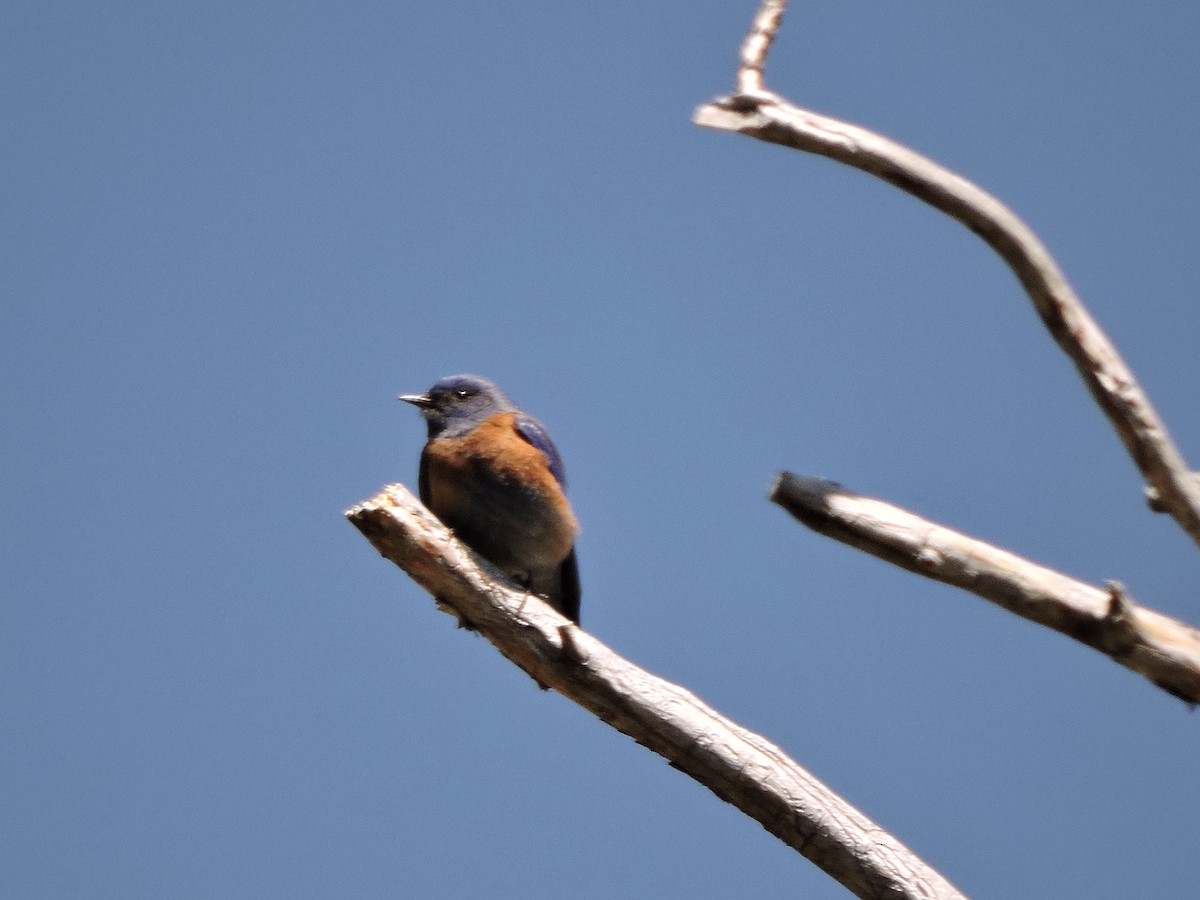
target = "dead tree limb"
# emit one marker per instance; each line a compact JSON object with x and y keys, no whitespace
{"x":1164,"y":650}
{"x":735,"y":764}
{"x":761,"y":114}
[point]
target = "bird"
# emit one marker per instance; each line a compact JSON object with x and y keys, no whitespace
{"x":493,"y":475}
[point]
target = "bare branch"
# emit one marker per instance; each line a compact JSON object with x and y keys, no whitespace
{"x":757,"y":43}
{"x":763,"y":115}
{"x":735,"y":764}
{"x":1164,"y":650}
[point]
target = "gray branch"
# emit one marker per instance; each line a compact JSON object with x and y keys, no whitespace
{"x":735,"y":764}
{"x":761,"y":114}
{"x":1150,"y":643}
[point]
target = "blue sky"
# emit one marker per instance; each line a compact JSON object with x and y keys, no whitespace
{"x":232,"y":233}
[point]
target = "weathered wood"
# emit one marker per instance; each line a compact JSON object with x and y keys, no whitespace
{"x":1150,"y":643}
{"x":737,"y":765}
{"x":761,"y":114}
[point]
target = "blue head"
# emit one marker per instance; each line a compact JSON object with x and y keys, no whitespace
{"x":457,"y":403}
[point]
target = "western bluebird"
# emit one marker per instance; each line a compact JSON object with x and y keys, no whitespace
{"x":492,"y":474}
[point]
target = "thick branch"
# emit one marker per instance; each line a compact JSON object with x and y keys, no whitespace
{"x":768,"y":117}
{"x":735,"y":764}
{"x":1164,"y":650}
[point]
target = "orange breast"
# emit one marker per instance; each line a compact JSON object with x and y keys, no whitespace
{"x":496,"y":490}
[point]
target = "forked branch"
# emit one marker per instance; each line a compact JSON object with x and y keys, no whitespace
{"x":756,"y":112}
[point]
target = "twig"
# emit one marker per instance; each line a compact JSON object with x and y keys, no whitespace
{"x":735,"y":764}
{"x":757,"y":43}
{"x":1164,"y":650}
{"x":756,"y":112}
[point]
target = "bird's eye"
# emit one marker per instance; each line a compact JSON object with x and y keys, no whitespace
{"x":462,"y":394}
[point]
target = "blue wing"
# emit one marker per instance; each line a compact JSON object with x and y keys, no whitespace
{"x":569,"y":593}
{"x":531,"y":429}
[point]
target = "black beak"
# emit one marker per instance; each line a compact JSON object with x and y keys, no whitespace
{"x":421,"y":401}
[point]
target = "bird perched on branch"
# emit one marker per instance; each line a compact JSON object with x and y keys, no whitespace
{"x":492,"y":474}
